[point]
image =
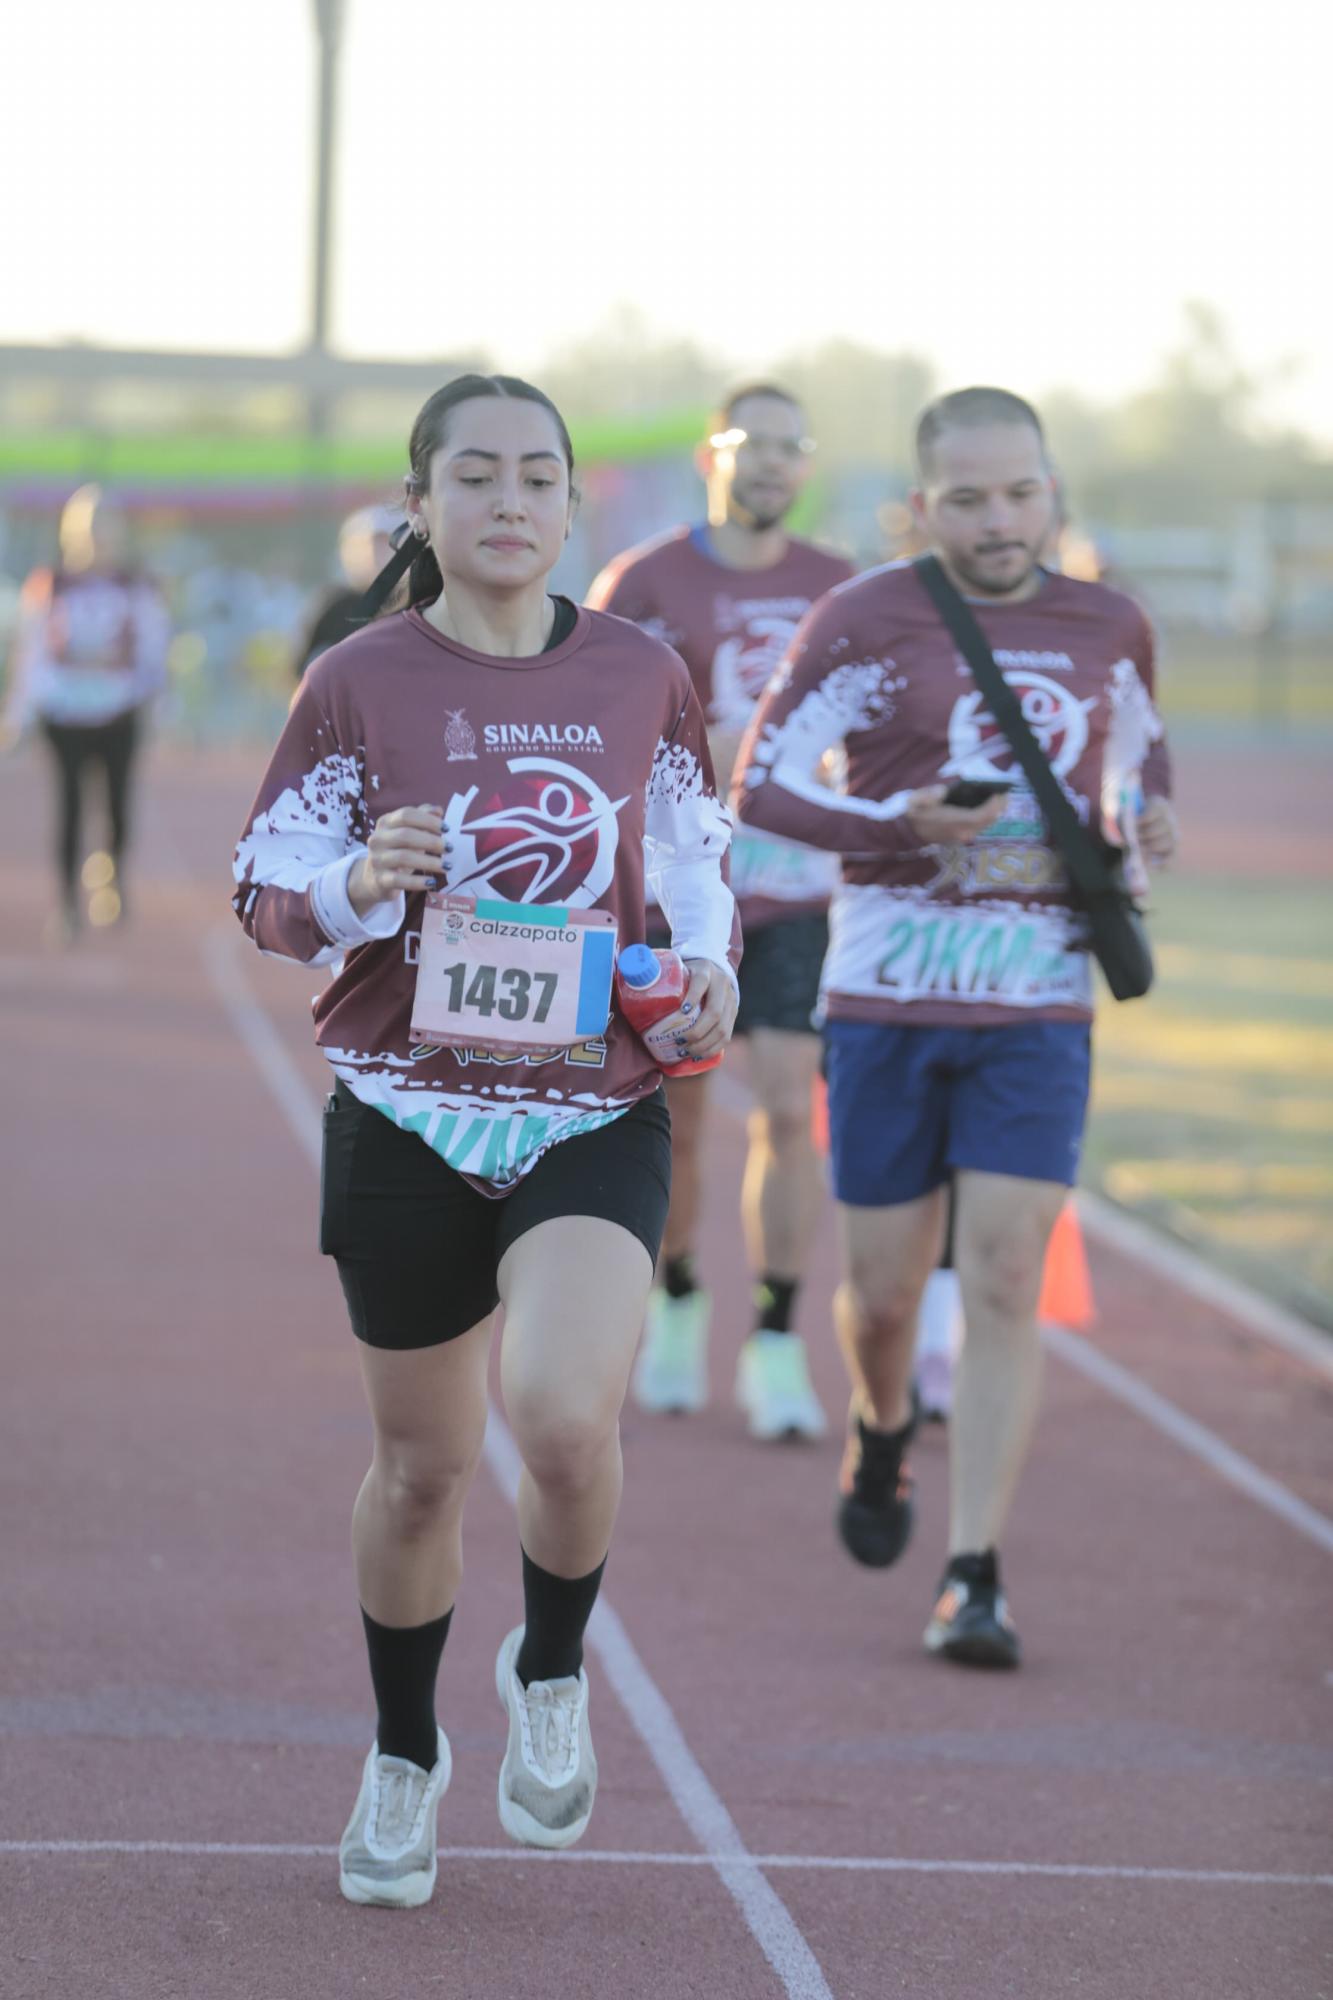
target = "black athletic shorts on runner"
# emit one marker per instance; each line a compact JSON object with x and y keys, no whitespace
{"x":779,"y":975}
{"x":418,"y":1248}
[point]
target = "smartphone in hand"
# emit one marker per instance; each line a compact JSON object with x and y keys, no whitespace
{"x":969,"y":792}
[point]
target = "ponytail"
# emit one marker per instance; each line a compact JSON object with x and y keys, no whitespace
{"x":412,"y":557}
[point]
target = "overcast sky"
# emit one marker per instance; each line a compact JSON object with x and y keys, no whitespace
{"x":1027,"y":194}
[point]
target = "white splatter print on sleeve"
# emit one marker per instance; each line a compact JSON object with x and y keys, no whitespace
{"x":814,"y":702}
{"x":307,"y":830}
{"x":687,"y":831}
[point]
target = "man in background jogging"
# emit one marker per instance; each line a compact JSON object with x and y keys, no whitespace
{"x":957,"y":991}
{"x":728,"y":594}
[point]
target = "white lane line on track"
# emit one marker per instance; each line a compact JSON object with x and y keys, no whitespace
{"x":766,"y":1915}
{"x":1194,"y":1437}
{"x":1190,"y":1435}
{"x":608,"y":1857}
{"x":1258,"y":1315}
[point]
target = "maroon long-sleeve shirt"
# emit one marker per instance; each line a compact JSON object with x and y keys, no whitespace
{"x":982,"y":933}
{"x":555,"y":774}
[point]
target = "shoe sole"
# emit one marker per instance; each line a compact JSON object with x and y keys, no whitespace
{"x":529,"y":1832}
{"x":684,"y":1405}
{"x":790,"y":1422}
{"x":516,"y":1820}
{"x":975,"y":1652}
{"x":410,"y":1894}
{"x":776,"y":1430}
{"x":876,"y":1559}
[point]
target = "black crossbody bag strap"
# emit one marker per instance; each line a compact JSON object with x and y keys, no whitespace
{"x":1087,"y":866}
{"x":1116,"y":932}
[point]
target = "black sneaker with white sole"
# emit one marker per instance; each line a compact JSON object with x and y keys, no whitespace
{"x":971,"y":1622}
{"x":875,"y":1513}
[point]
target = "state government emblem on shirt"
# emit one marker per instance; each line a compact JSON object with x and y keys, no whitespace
{"x":459,"y":737}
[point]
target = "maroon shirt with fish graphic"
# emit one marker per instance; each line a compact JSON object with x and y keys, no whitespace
{"x":558,"y":775}
{"x":731,"y":627}
{"x":975,"y":934}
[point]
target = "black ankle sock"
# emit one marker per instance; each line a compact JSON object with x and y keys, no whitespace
{"x":773,"y":1301}
{"x":980,"y":1568}
{"x":678,"y":1279}
{"x":874,"y":1440}
{"x":404,"y":1660}
{"x":556,"y":1610}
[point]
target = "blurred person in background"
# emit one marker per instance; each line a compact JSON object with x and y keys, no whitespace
{"x":957,"y":990}
{"x":728,"y":593}
{"x":364,"y":547}
{"x":90,"y":654}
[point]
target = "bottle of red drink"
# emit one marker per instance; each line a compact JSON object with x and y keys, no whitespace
{"x":649,"y":986}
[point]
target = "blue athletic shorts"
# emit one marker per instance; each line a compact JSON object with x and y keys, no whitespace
{"x":909,"y":1106}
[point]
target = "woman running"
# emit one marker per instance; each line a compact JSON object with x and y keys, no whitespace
{"x":91,"y":654}
{"x":492,"y":1136}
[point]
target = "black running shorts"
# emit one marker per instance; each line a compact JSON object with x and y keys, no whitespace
{"x":779,"y":975}
{"x":418,"y":1248}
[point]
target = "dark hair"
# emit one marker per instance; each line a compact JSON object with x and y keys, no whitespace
{"x":721,"y":418}
{"x":969,"y":408}
{"x":424,"y":582}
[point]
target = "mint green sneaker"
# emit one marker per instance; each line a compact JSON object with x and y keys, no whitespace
{"x":774,"y":1389}
{"x":672,"y":1370}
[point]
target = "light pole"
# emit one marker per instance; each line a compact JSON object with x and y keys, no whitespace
{"x":328,"y":26}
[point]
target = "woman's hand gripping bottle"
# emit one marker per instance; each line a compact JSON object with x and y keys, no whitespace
{"x":650,"y":986}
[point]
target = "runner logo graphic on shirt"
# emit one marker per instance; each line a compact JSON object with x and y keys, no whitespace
{"x":1054,"y":714}
{"x":549,"y":837}
{"x":459,"y":736}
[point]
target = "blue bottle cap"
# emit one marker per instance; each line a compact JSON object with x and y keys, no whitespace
{"x":639,"y":966}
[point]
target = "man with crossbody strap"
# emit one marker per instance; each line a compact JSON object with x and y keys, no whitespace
{"x":957,"y":994}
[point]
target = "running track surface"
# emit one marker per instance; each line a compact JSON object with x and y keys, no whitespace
{"x":794,"y":1800}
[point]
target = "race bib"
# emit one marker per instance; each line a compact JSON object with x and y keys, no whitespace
{"x":511,"y":977}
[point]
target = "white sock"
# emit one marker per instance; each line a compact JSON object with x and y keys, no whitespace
{"x":940,"y":1321}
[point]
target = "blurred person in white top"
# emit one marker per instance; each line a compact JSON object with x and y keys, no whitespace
{"x":90,"y":654}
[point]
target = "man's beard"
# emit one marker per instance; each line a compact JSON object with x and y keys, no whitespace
{"x":985,"y":586}
{"x":747,"y":516}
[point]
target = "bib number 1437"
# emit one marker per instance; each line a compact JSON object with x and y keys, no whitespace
{"x":511,"y":977}
{"x":509,"y":991}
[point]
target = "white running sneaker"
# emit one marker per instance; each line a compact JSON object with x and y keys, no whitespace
{"x":672,"y":1370}
{"x":939,"y":1342}
{"x":548,"y":1779}
{"x":933,"y":1377}
{"x":387,"y":1854}
{"x":774,"y":1389}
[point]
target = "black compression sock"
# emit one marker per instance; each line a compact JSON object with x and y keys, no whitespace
{"x":404,"y":1660}
{"x":773,"y":1301}
{"x":678,"y":1279}
{"x":556,"y":1610}
{"x":981,"y":1568}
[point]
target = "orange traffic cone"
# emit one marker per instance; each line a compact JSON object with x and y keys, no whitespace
{"x":1066,"y":1288}
{"x":819,"y":1115}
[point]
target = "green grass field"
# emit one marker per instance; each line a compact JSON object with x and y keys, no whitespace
{"x":1222,"y":679}
{"x":1213,"y":1098}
